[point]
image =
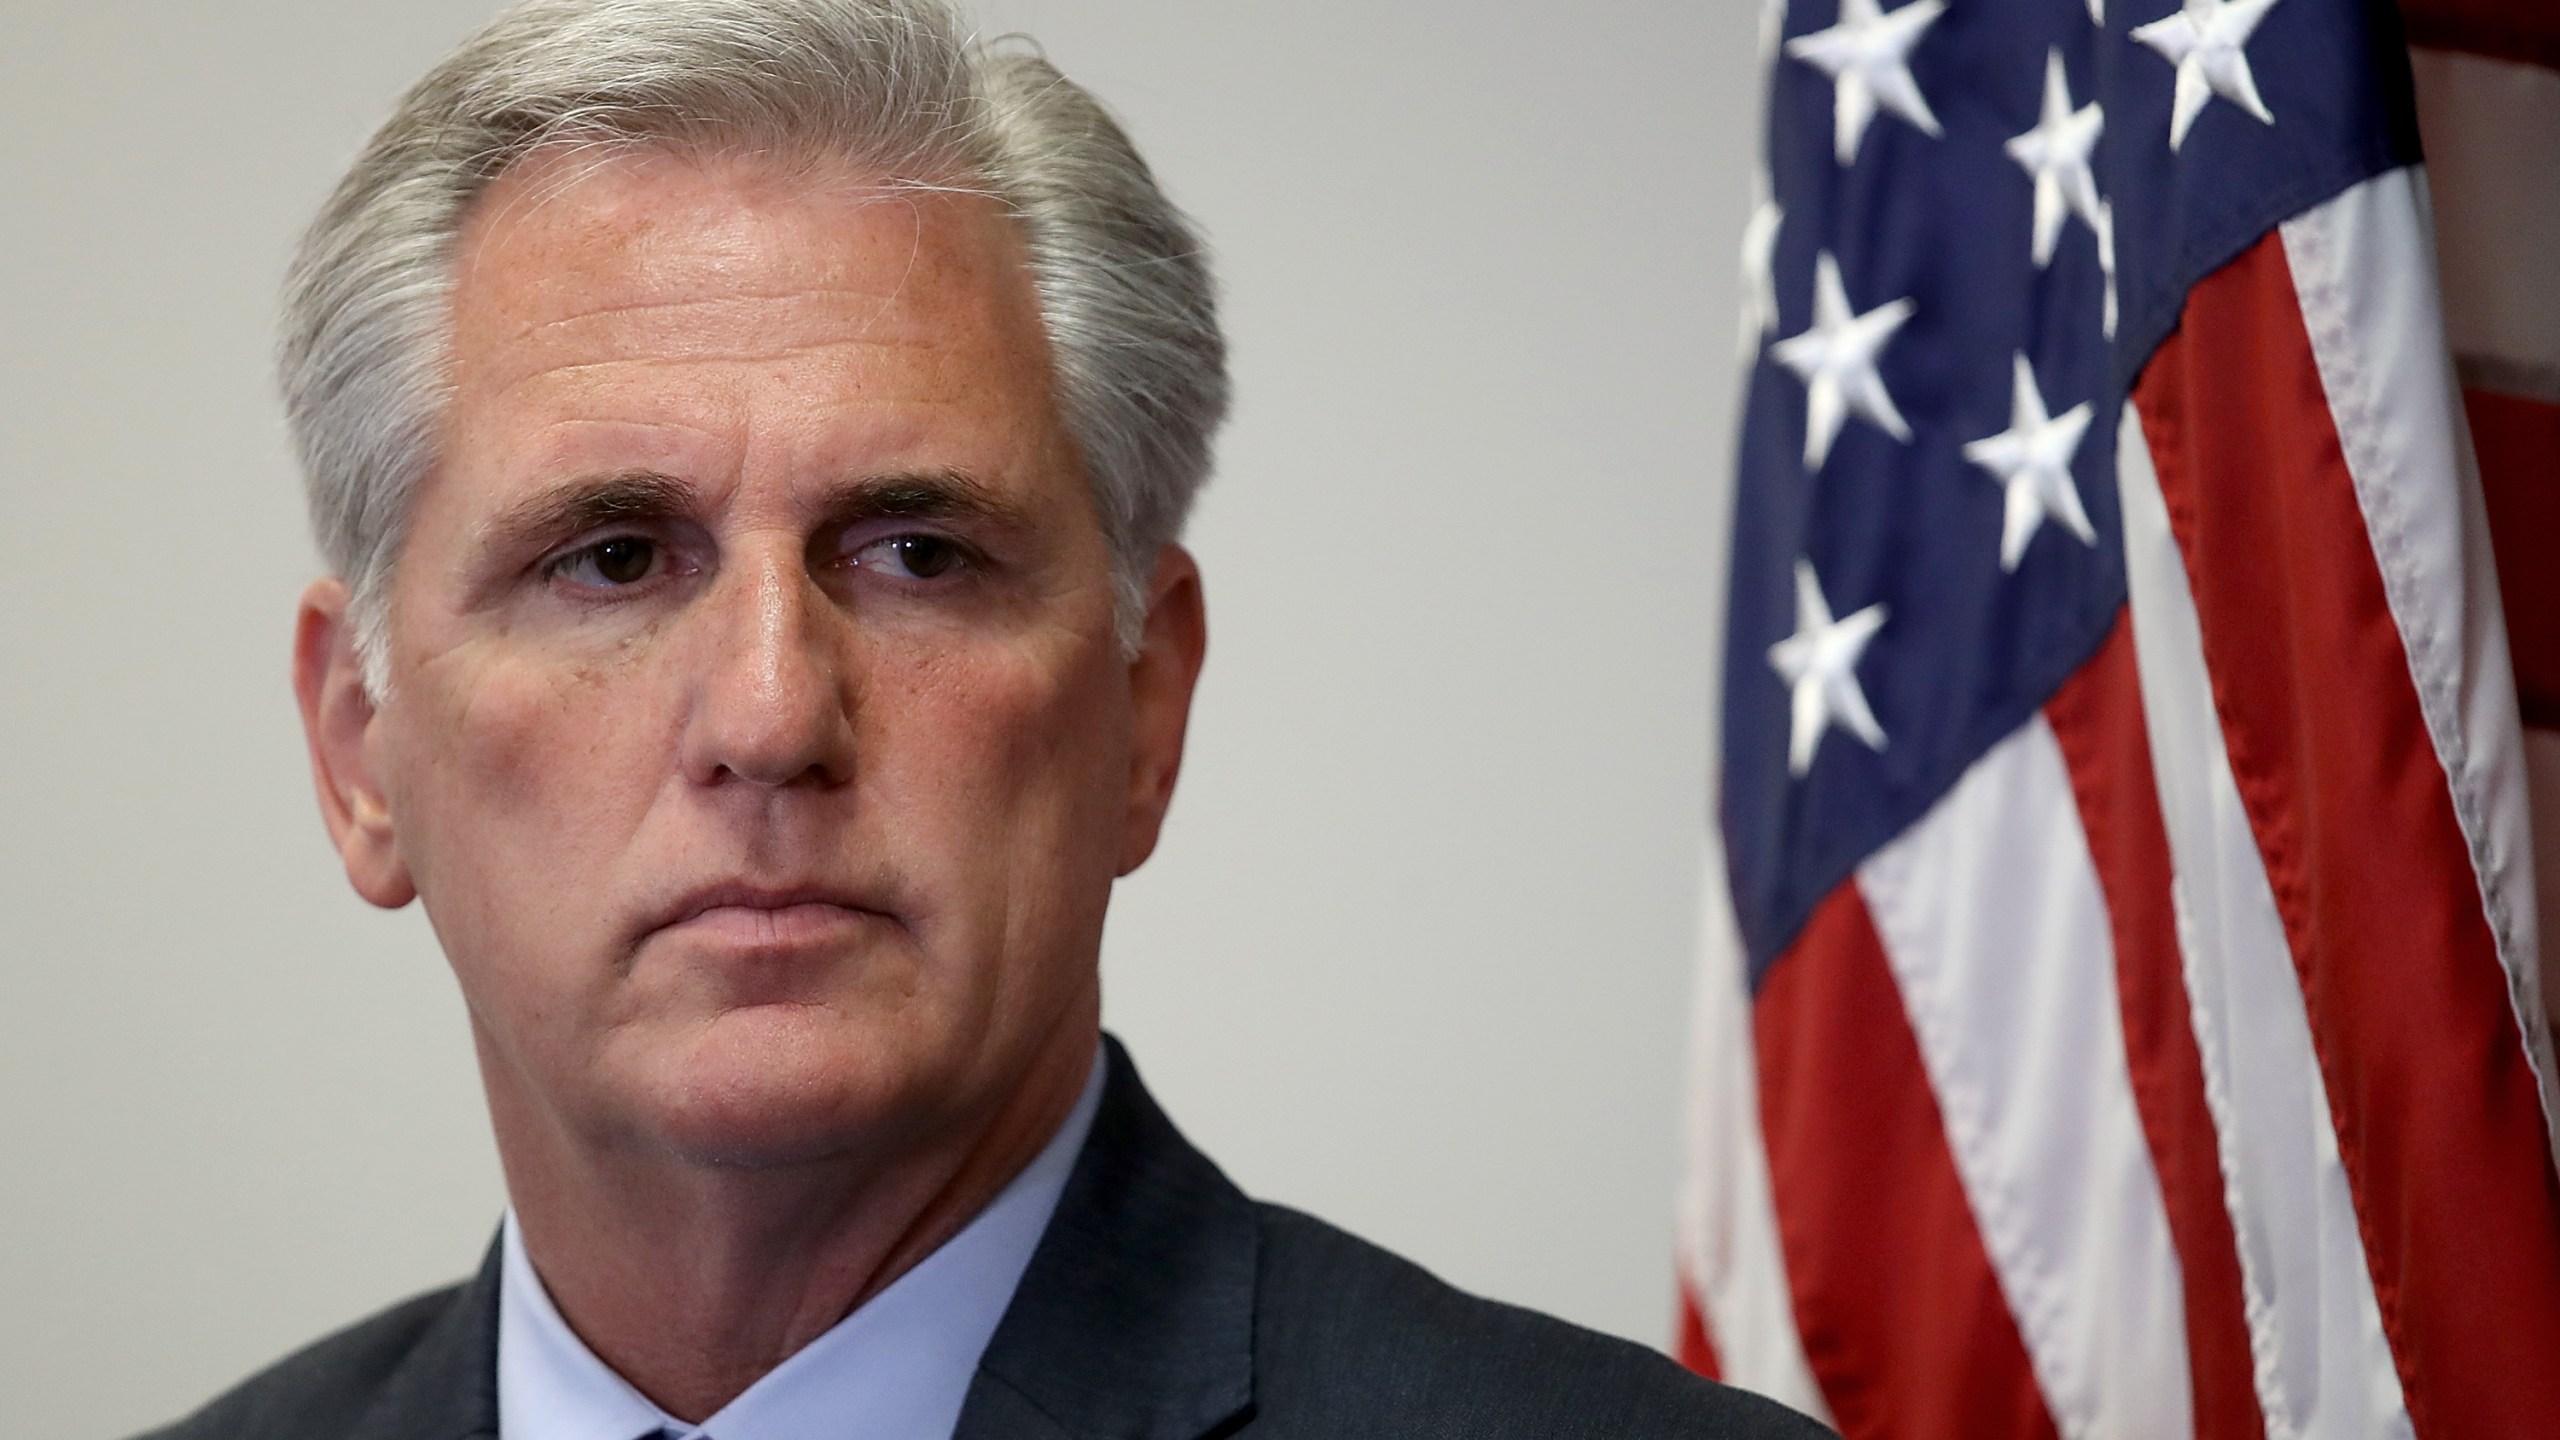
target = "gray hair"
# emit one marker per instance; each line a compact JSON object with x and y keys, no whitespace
{"x":893,"y":86}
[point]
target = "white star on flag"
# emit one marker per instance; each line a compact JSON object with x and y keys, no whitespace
{"x":1820,"y":665}
{"x":1836,"y":359}
{"x":2208,"y":42}
{"x":1759,"y":277}
{"x":2106,"y":228}
{"x":2032,"y":460}
{"x":2056,"y":153}
{"x":1868,"y":57}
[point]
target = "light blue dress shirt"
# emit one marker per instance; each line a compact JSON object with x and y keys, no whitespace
{"x":896,"y":1369}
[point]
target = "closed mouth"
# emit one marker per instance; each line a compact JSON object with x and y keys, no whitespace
{"x":760,"y":915}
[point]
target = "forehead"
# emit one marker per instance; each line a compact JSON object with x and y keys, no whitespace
{"x":581,"y":272}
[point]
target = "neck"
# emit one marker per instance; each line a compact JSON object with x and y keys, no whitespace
{"x":693,"y":1280}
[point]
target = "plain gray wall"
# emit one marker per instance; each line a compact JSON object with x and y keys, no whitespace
{"x":1415,"y":952}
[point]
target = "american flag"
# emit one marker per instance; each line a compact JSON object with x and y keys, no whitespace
{"x":2121,"y":1014}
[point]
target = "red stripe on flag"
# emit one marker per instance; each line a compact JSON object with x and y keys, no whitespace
{"x":2519,"y":445}
{"x":1697,"y":1351}
{"x":2439,"y":1122}
{"x":1903,"y":1321}
{"x":2097,"y":717}
{"x":2523,"y":30}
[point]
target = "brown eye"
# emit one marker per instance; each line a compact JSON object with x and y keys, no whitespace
{"x":912,"y":557}
{"x":625,"y":560}
{"x":924,"y":556}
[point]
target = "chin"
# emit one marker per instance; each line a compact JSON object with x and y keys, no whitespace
{"x":781,"y":1085}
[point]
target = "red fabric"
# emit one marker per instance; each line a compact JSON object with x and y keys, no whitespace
{"x":1696,"y":1351}
{"x":2522,"y":30}
{"x":2097,"y":717}
{"x":2519,"y":445}
{"x":2439,"y":1122}
{"x":1902,"y":1319}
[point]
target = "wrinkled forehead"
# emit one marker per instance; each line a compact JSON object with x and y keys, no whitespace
{"x":760,"y":339}
{"x":697,"y":253}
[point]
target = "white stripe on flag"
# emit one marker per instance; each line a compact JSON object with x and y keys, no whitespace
{"x":1991,"y":915}
{"x":1728,"y":1219}
{"x":2324,"y":1369}
{"x":2363,"y":272}
{"x":2488,"y":126}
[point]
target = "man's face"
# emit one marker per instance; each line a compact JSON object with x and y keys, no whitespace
{"x":757,"y":738}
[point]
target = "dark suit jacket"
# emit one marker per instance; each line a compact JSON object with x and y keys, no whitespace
{"x":1161,"y":1305}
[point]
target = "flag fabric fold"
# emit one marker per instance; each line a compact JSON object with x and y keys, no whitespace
{"x":2122,"y":1011}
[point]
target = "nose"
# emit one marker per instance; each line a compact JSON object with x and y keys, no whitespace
{"x":773,"y":707}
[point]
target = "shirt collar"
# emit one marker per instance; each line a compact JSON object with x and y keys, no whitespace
{"x":898,"y":1366}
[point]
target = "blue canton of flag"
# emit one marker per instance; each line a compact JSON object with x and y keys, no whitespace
{"x":1982,"y":217}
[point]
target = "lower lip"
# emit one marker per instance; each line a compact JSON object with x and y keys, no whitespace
{"x":786,"y":927}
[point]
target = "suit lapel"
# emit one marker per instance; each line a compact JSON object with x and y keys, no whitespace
{"x":447,"y":1387}
{"x":1135,"y":1319}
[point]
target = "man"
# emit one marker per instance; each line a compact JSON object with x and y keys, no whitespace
{"x":750,"y":440}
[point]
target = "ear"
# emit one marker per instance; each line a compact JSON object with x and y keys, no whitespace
{"x":1161,"y":679}
{"x":338,"y":721}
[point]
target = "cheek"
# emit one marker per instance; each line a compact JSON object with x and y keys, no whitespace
{"x":519,"y":779}
{"x":1024,"y":757}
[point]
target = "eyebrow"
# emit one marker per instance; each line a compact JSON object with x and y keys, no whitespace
{"x":921,"y":495}
{"x":580,"y":505}
{"x":577,"y":506}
